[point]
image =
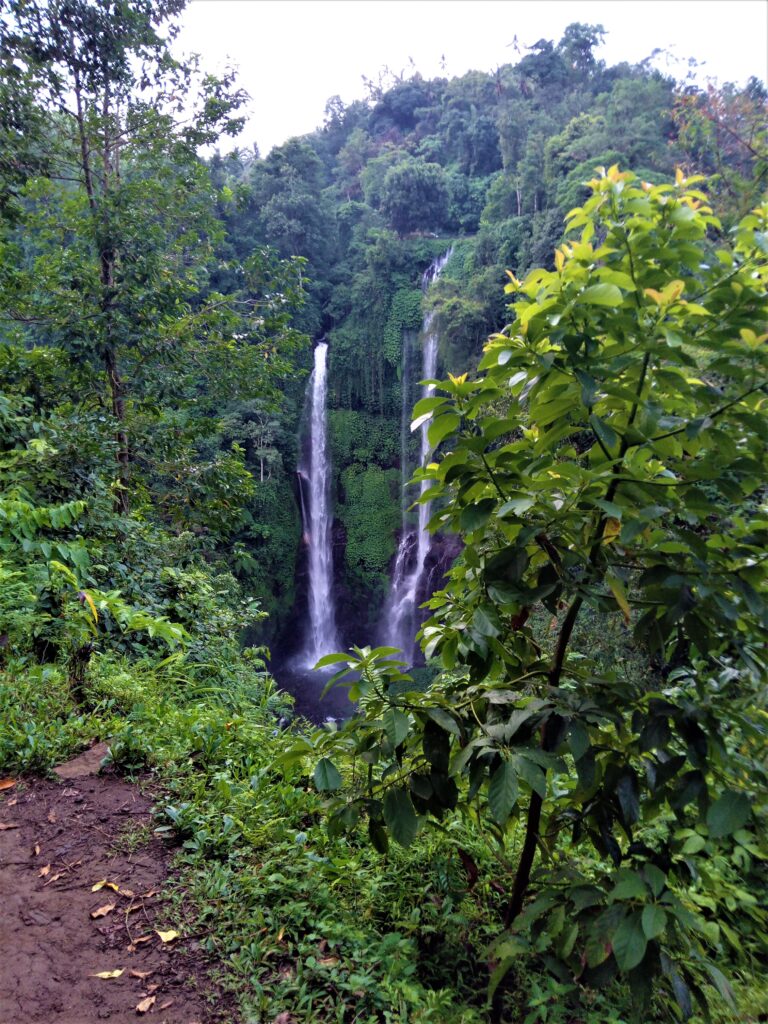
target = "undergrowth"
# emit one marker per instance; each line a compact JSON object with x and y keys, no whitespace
{"x":293,"y":919}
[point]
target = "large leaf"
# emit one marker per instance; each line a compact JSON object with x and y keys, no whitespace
{"x":629,"y":943}
{"x":503,"y":792}
{"x":727,"y":814}
{"x":326,"y":775}
{"x":475,"y":516}
{"x":440,"y":428}
{"x":400,"y":816}
{"x":654,"y":921}
{"x":396,"y":726}
{"x":602,"y":295}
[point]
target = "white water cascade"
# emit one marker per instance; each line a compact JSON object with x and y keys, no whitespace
{"x":315,"y":470}
{"x":400,"y":610}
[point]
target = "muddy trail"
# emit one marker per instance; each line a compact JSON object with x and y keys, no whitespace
{"x":84,"y":934}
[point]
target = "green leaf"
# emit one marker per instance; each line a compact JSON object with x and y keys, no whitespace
{"x":629,"y":943}
{"x":427,"y":405}
{"x":654,"y":921}
{"x":396,"y":726}
{"x":516,"y":506}
{"x":728,"y":814}
{"x":330,"y":659}
{"x":400,"y":816}
{"x":629,"y":886}
{"x":503,"y":792}
{"x":444,"y":720}
{"x":326,"y":775}
{"x":483,"y":623}
{"x":477,"y":515}
{"x":605,"y":432}
{"x":442,"y":427}
{"x":602,"y":295}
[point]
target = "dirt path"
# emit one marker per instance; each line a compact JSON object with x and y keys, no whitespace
{"x":58,"y":840}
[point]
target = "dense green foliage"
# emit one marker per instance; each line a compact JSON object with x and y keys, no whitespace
{"x":610,"y":455}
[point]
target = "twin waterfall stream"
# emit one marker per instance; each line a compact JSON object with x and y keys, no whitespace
{"x":400,"y":611}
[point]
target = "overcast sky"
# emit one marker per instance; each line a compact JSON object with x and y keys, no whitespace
{"x":293,"y":55}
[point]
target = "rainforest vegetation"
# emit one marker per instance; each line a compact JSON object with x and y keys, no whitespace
{"x":561,"y":814}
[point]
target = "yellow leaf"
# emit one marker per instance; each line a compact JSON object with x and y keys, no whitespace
{"x":672,"y":292}
{"x":145,"y":1004}
{"x":513,"y":279}
{"x":457,"y":380}
{"x":611,"y":530}
{"x":559,"y":259}
{"x":653,"y":294}
{"x":91,"y":605}
{"x":168,"y":936}
{"x":108,"y":974}
{"x":620,"y":594}
{"x":103,"y":911}
{"x":679,"y":176}
{"x":280,"y":935}
{"x":104,"y":884}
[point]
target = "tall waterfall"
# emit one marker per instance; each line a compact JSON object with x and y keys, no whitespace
{"x":321,"y":637}
{"x":400,"y":610}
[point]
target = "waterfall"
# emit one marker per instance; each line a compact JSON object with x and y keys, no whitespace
{"x":400,"y":610}
{"x":315,"y":473}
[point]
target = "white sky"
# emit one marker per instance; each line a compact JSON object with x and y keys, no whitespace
{"x":293,"y":55}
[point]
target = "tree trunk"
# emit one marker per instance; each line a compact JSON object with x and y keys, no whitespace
{"x":117,"y":392}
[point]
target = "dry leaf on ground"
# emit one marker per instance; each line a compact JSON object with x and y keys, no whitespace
{"x":140,"y":974}
{"x":108,"y":974}
{"x":103,"y":911}
{"x":44,"y":871}
{"x":7,"y":783}
{"x":3,"y":826}
{"x":104,"y":884}
{"x":146,"y":1004}
{"x":168,"y":936}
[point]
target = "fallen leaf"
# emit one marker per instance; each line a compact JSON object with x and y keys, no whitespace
{"x":166,"y":1004}
{"x":152,"y":988}
{"x":104,"y":884}
{"x":108,"y":974}
{"x":146,"y":1004}
{"x":141,"y":939}
{"x":55,"y":878}
{"x":7,"y":783}
{"x":35,"y":849}
{"x":126,"y":892}
{"x":52,"y":817}
{"x":12,"y":803}
{"x":140,"y":974}
{"x":329,"y":961}
{"x":146,"y":895}
{"x":44,"y":871}
{"x":280,"y":935}
{"x":168,"y":936}
{"x":103,"y":911}
{"x":4,"y":827}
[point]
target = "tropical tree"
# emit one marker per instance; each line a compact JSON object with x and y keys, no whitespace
{"x":111,"y":250}
{"x":606,"y":471}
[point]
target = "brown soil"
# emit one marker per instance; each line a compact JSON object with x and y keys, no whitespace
{"x":57,"y":840}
